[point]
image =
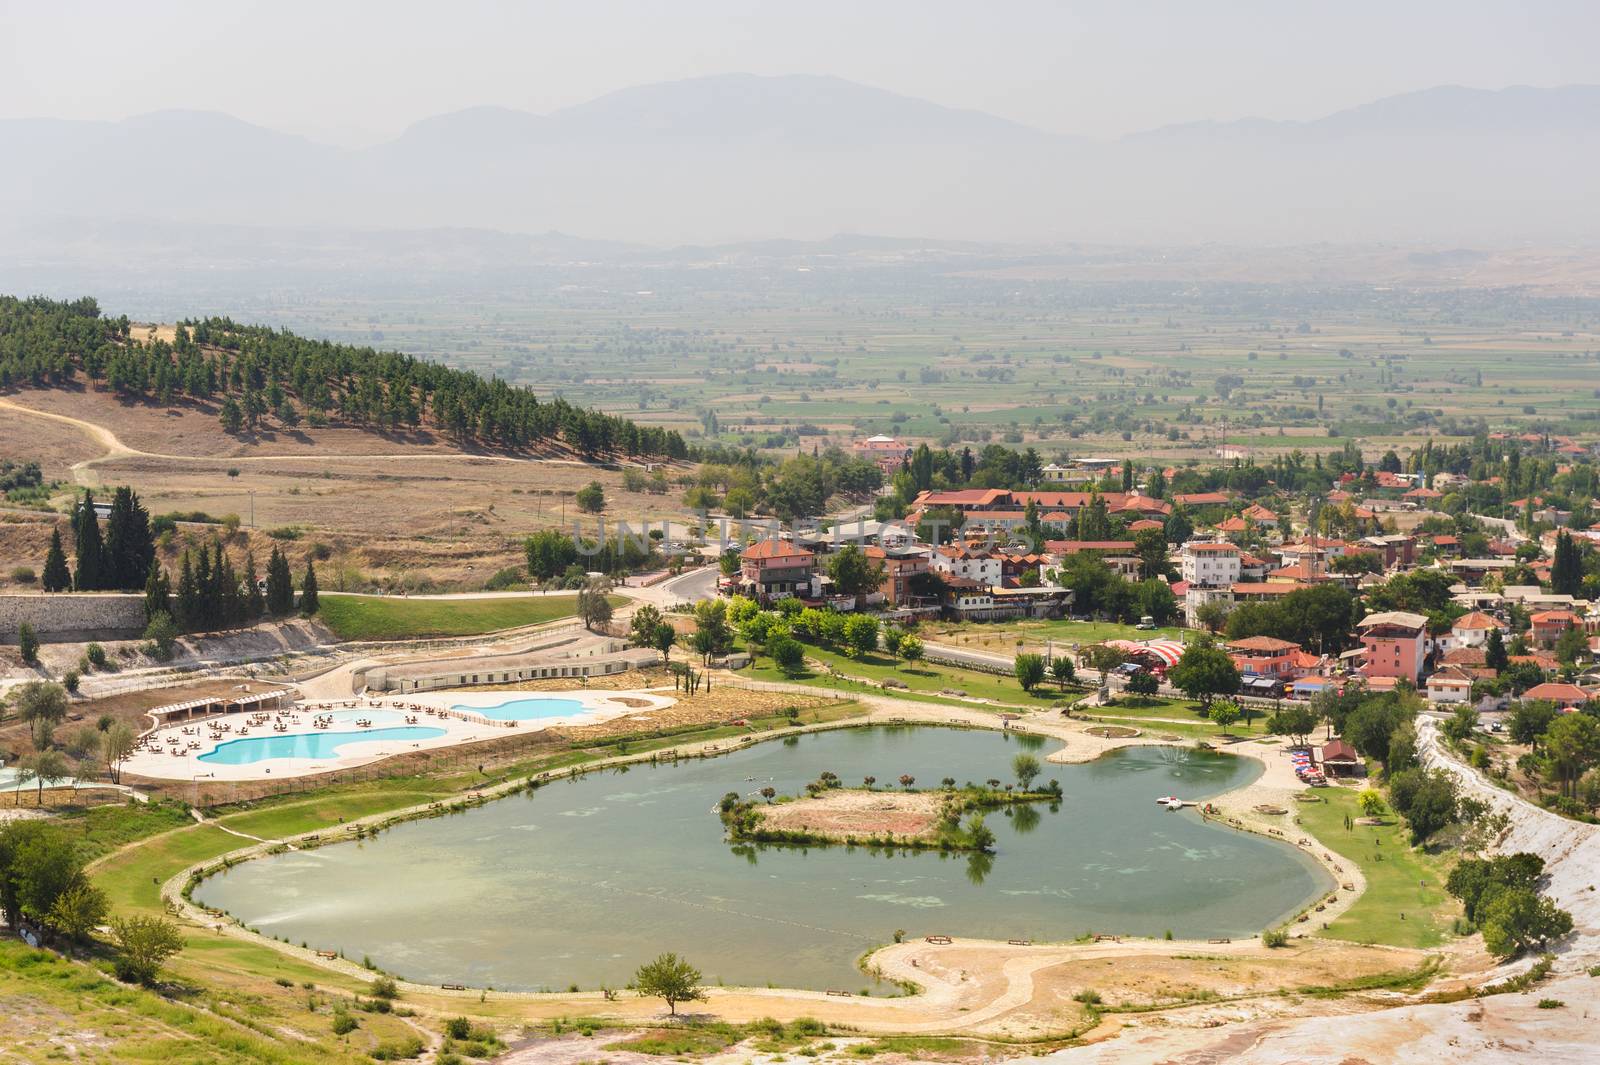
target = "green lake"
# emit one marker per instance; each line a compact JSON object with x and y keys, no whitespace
{"x":580,"y":881}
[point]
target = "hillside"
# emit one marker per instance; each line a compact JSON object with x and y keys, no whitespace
{"x":262,"y":381}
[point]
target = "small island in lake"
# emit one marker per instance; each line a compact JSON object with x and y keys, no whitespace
{"x":949,"y":818}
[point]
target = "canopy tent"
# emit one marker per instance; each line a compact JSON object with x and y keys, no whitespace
{"x":1159,"y":654}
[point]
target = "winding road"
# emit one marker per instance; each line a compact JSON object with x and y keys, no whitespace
{"x":82,"y":472}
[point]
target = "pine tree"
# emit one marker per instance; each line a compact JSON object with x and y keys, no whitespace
{"x":308,"y":589}
{"x":57,"y":578}
{"x":91,"y":574}
{"x":157,"y":592}
{"x":254,"y":604}
{"x":188,"y":614}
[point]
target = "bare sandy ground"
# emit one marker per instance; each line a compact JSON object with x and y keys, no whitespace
{"x":856,"y":813}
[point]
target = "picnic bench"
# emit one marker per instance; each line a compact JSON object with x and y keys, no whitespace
{"x":938,"y":939}
{"x":1020,"y":942}
{"x":837,"y":993}
{"x":327,"y":954}
{"x":1222,"y":939}
{"x":452,"y":987}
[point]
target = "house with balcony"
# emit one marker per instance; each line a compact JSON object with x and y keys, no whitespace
{"x":1265,"y":656}
{"x":774,"y":568}
{"x":901,"y":568}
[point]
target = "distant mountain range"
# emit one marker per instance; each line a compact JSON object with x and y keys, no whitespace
{"x":740,"y":157}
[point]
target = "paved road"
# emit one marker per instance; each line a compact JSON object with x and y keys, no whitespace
{"x":688,"y":588}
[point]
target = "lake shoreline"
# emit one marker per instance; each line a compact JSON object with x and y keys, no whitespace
{"x":1077,"y":748}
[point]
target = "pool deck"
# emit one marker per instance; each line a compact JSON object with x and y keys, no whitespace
{"x":452,"y":712}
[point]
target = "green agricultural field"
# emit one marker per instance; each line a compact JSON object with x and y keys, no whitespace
{"x":1162,"y":371}
{"x":354,"y":617}
{"x":1405,"y":904}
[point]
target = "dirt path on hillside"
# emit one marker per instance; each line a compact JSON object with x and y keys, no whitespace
{"x":83,"y":475}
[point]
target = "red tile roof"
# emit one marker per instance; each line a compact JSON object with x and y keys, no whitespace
{"x":1558,"y":693}
{"x":775,"y":548}
{"x":1268,"y":644}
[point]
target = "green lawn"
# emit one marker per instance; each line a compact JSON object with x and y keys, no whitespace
{"x":293,"y":818}
{"x":132,"y":878}
{"x":354,"y":617}
{"x":1400,"y":879}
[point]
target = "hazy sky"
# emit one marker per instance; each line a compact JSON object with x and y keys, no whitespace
{"x":349,"y":72}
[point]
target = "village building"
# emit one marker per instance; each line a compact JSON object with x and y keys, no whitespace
{"x":1472,"y":630}
{"x":964,"y":563}
{"x":1265,"y":656}
{"x":1548,"y":626}
{"x":901,"y":569}
{"x":1395,"y":644}
{"x":1564,"y":696}
{"x":774,"y":568}
{"x":1450,"y":685}
{"x":885,"y":452}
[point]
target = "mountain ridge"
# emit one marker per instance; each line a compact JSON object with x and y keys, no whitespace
{"x":731,"y":158}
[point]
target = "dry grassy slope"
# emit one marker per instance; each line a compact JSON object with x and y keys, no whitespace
{"x":403,"y":509}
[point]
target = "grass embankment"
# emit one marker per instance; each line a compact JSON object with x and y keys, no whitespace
{"x":60,"y":1011}
{"x":989,"y":636}
{"x":356,"y":617}
{"x":1405,"y":904}
{"x":923,"y":680}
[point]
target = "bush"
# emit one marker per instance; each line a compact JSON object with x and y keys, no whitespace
{"x":96,"y":655}
{"x":70,"y":680}
{"x":28,"y":644}
{"x":512,"y":577}
{"x":384,"y":987}
{"x":343,"y":1023}
{"x":458,"y":1028}
{"x":398,"y":1049}
{"x":1275,"y":937}
{"x":24,"y":575}
{"x":160,"y":636}
{"x":1088,"y":996}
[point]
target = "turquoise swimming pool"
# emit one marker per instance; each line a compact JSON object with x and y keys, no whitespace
{"x":252,"y":749}
{"x":527,"y":708}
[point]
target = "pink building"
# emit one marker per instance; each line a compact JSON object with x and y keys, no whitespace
{"x":1396,"y":643}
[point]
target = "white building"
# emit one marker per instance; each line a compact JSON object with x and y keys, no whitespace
{"x":1211,"y":565}
{"x":978,"y":566}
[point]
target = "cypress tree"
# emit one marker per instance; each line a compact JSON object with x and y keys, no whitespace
{"x":1494,"y":652}
{"x":91,"y":574}
{"x":280,"y":584}
{"x":157,"y":592}
{"x":57,"y":578}
{"x":205,"y":600}
{"x":188,"y":616}
{"x":1566,"y":566}
{"x":254,"y":604}
{"x":129,"y":547}
{"x":231,"y":603}
{"x":308,"y":589}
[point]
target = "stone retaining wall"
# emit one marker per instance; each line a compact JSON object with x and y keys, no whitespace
{"x":69,"y":616}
